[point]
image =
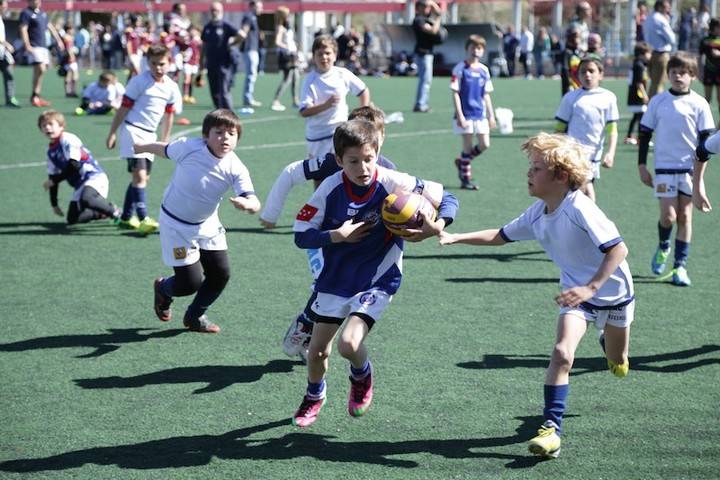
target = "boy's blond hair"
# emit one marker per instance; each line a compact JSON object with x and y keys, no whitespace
{"x":371,"y":114}
{"x":475,"y":41}
{"x":50,"y":115}
{"x":561,"y":153}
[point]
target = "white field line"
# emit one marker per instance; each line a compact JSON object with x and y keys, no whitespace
{"x":266,"y":146}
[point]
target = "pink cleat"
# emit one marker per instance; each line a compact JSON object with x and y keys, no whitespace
{"x":307,"y":412}
{"x":361,"y":394}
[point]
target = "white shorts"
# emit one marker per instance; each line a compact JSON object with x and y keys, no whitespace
{"x":72,"y":67}
{"x":128,"y":136}
{"x":99,"y":182}
{"x":190,"y":70}
{"x":620,"y":317}
{"x":474,"y":127}
{"x":371,"y":303}
{"x":637,"y":108}
{"x":178,"y":61}
{"x":320,"y":148}
{"x":181,"y":243}
{"x":39,"y":55}
{"x":595,"y":167}
{"x":669,"y":185}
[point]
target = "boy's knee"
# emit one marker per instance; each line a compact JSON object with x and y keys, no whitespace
{"x":318,"y":353}
{"x":348,"y":347}
{"x":562,"y":357}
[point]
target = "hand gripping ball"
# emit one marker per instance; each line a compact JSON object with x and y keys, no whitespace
{"x":401,"y":212}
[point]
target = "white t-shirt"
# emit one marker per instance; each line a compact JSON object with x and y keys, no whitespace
{"x":108,"y":96}
{"x":676,"y":120}
{"x":200,"y":180}
{"x":316,"y":89}
{"x":149,"y":100}
{"x":575,"y":237}
{"x":586,"y":113}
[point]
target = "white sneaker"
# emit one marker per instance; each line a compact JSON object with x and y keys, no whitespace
{"x":296,"y":340}
{"x":277,"y":107}
{"x":246,"y":111}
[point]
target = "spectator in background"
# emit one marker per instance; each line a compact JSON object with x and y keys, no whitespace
{"x":510,"y":47}
{"x":582,"y":21}
{"x":33,"y":27}
{"x":7,"y":61}
{"x":703,"y":19}
{"x":556,"y":54}
{"x":367,"y":45}
{"x":82,"y":44}
{"x":427,"y":29}
{"x":569,"y":75}
{"x":661,"y":38}
{"x":595,"y":46}
{"x":640,"y":17}
{"x":688,"y":24}
{"x":287,"y":58}
{"x":527,"y":43}
{"x":541,"y":50}
{"x":106,"y":47}
{"x":217,"y":37}
{"x":250,"y":33}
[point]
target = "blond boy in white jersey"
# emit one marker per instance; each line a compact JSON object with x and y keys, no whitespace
{"x":149,"y":98}
{"x":595,"y":278}
{"x":589,"y":115}
{"x":192,"y":237}
{"x":682,"y":119}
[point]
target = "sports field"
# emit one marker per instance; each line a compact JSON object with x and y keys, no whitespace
{"x":94,"y":386}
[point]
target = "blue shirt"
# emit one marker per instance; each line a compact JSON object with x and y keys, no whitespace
{"x":471,"y":84}
{"x":252,"y":41}
{"x":215,"y":37}
{"x":36,"y":22}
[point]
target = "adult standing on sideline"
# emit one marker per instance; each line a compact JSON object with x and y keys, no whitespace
{"x":250,"y":32}
{"x":287,"y":58}
{"x":7,"y":61}
{"x":510,"y":43}
{"x":661,"y":38}
{"x":582,"y":20}
{"x":426,"y":26}
{"x":217,"y":37}
{"x":33,"y":25}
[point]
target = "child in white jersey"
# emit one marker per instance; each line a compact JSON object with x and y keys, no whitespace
{"x":682,"y":119}
{"x":322,"y":99}
{"x":192,"y":237}
{"x":595,"y":278}
{"x":588,"y":114}
{"x":149,"y":97}
{"x":101,"y":96}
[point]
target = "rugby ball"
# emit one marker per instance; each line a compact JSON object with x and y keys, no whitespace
{"x":402,"y":211}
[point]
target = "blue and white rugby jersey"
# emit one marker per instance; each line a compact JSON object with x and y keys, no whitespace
{"x":471,"y":84}
{"x":576,"y":237}
{"x":374,"y":262}
{"x":70,"y":147}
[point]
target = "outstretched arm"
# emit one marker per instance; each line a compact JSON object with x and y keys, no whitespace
{"x":481,"y":237}
{"x":292,"y":175}
{"x":156,"y":148}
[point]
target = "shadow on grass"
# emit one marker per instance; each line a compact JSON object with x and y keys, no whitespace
{"x":500,"y":257}
{"x":99,"y":228}
{"x":199,"y":450}
{"x":103,"y":343}
{"x":503,"y":280}
{"x":644,"y":363}
{"x":217,"y":377}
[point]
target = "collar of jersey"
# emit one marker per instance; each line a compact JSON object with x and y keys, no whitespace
{"x":359,"y":198}
{"x":56,"y":141}
{"x":675,"y":93}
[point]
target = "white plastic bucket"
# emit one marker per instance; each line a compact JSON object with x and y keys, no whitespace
{"x":504,"y":117}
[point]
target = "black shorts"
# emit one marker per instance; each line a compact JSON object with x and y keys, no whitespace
{"x":711,"y":77}
{"x":287,"y":61}
{"x":139,"y":164}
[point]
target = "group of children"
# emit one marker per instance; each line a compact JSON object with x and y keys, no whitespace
{"x":357,"y":262}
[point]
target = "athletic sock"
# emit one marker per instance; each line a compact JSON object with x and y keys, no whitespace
{"x":128,"y":204}
{"x":138,"y":194}
{"x":167,"y":286}
{"x":464,"y":166}
{"x":316,"y":391}
{"x":555,"y":397}
{"x":682,"y":250}
{"x":476,"y":150}
{"x":664,"y":236}
{"x":360,"y":373}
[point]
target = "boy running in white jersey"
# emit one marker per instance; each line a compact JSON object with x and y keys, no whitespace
{"x":682,"y":119}
{"x":149,"y":97}
{"x":595,"y":278}
{"x":192,"y":237}
{"x":588,"y":114}
{"x":322,"y":99}
{"x":363,"y":260}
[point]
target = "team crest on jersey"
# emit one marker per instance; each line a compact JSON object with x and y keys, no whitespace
{"x":661,"y":188}
{"x":179,"y":253}
{"x":371,"y":217}
{"x":368,"y":298}
{"x":306,"y":213}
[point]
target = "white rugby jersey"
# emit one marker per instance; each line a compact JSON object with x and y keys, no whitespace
{"x":676,"y":120}
{"x":576,"y":237}
{"x":149,"y":100}
{"x":200,"y":180}
{"x":586,"y":113}
{"x":376,"y":260}
{"x":316,"y":89}
{"x":108,"y":96}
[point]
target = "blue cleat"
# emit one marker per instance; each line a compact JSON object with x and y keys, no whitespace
{"x":659,"y":260}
